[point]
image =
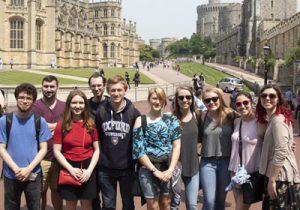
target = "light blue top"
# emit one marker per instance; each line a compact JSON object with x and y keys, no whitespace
{"x":22,"y":145}
{"x":158,"y":138}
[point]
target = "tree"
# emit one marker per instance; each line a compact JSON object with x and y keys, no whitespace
{"x":147,"y":53}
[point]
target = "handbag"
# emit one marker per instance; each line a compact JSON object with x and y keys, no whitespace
{"x":65,"y":178}
{"x":252,"y":190}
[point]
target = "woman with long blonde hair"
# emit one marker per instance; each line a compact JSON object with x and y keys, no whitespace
{"x":217,"y":128}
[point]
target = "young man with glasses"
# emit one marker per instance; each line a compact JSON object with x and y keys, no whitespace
{"x":22,"y":152}
{"x":51,"y":109}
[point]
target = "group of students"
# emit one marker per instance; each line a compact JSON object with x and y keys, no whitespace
{"x":100,"y":140}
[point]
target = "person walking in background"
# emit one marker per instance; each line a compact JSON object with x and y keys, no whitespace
{"x":114,"y":121}
{"x":102,"y":74}
{"x":184,"y":110}
{"x":153,"y":147}
{"x":252,"y":134}
{"x":22,"y":149}
{"x":76,"y":149}
{"x":178,"y":69}
{"x":278,"y":162}
{"x":127,"y":78}
{"x":136,"y":79}
{"x":51,"y":109}
{"x":1,"y":64}
{"x":11,"y":63}
{"x":289,"y":99}
{"x":216,"y":149}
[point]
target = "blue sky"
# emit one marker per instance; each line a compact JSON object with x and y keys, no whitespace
{"x":164,"y":18}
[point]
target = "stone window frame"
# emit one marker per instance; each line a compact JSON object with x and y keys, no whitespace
{"x":112,"y":50}
{"x":112,"y":30}
{"x":17,"y":3}
{"x":112,"y":12}
{"x":105,"y":49}
{"x":38,"y":4}
{"x":105,"y":28}
{"x":17,"y":33}
{"x":39,"y":34}
{"x":105,"y":12}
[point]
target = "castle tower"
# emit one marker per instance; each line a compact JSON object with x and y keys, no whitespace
{"x":214,"y":2}
{"x":255,"y":12}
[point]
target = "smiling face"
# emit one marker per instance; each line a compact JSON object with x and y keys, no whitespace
{"x":184,"y":99}
{"x":24,"y":102}
{"x":117,"y":92}
{"x":77,"y":106}
{"x":49,"y":89}
{"x":155,"y":102}
{"x":97,"y":86}
{"x":243,"y":105}
{"x":211,"y":100}
{"x":269,"y":99}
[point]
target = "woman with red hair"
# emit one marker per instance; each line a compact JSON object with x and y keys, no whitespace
{"x":278,"y":162}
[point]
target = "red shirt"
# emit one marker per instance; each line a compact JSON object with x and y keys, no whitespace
{"x":72,"y":145}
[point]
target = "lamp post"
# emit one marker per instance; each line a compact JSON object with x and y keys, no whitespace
{"x":266,"y":56}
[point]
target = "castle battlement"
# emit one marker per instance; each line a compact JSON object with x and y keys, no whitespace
{"x":284,"y":25}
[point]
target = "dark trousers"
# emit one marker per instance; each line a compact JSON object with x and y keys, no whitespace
{"x":13,"y":190}
{"x":108,"y":179}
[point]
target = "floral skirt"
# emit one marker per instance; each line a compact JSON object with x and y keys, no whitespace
{"x":288,"y":197}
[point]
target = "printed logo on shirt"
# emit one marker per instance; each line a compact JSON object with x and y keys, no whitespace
{"x":116,"y":129}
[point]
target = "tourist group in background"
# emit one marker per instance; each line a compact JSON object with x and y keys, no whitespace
{"x":82,"y":149}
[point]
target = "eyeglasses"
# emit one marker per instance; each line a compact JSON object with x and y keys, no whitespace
{"x":23,"y":98}
{"x":181,"y":98}
{"x":271,"y":96}
{"x":239,"y":104}
{"x":214,"y":99}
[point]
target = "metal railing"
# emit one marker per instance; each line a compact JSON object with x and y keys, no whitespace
{"x":134,"y":94}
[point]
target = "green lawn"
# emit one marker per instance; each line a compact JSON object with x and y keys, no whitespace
{"x":212,"y":75}
{"x":17,"y":77}
{"x":86,"y":73}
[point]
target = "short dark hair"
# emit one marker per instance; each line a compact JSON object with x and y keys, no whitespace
{"x":27,"y":88}
{"x":96,"y":75}
{"x":50,"y":78}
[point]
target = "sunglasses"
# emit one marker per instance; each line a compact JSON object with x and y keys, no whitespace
{"x":181,"y":98}
{"x":271,"y":96}
{"x":214,"y":99}
{"x":239,"y":104}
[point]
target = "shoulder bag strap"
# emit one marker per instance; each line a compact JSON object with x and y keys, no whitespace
{"x":240,"y":144}
{"x":83,"y":141}
{"x":144,"y":124}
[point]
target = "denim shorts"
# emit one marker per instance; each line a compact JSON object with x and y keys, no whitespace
{"x":151,"y":186}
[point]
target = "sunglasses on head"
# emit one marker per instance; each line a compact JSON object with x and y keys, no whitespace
{"x":181,"y":98}
{"x":239,"y":104}
{"x":214,"y":99}
{"x":271,"y":95}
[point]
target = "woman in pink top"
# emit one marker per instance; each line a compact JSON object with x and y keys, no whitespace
{"x":252,"y":143}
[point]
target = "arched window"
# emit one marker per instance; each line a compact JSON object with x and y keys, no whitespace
{"x":112,"y":50}
{"x":38,"y":32}
{"x":105,"y":12}
{"x":112,"y":12}
{"x":105,"y":30}
{"x":112,"y":30}
{"x":16,"y":33}
{"x":105,"y":50}
{"x":38,"y":4}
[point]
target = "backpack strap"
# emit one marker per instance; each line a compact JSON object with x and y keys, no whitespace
{"x":8,"y":120}
{"x":144,"y":123}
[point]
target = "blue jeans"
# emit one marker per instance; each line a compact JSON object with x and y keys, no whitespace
{"x":214,"y":179}
{"x":13,"y":191}
{"x":108,"y":179}
{"x":191,"y":185}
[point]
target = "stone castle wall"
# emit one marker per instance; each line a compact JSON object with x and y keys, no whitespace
{"x":74,"y":34}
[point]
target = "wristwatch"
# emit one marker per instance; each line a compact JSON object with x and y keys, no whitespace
{"x":153,"y":169}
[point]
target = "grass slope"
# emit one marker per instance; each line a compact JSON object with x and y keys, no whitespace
{"x":86,"y":73}
{"x":17,"y":77}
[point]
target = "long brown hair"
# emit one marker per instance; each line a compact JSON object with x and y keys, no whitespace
{"x":176,"y":109}
{"x":67,"y":115}
{"x":224,"y":113}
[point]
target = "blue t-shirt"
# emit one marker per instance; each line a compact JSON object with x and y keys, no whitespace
{"x":22,"y":145}
{"x":158,"y":138}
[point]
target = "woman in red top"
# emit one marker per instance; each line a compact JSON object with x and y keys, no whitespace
{"x":76,"y":149}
